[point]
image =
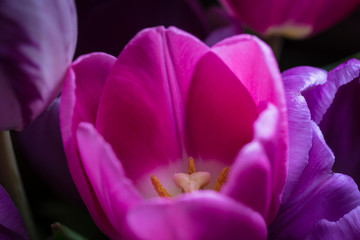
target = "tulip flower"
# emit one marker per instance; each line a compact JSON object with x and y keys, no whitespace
{"x":37,"y":44}
{"x":176,"y":140}
{"x":12,"y":225}
{"x":317,"y":203}
{"x":293,"y":19}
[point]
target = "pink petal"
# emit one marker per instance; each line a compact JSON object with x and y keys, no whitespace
{"x":219,"y":112}
{"x":254,"y":64}
{"x":201,"y":215}
{"x":269,"y":131}
{"x":37,"y":44}
{"x":249,"y":180}
{"x":142,"y":108}
{"x":70,"y":116}
{"x":114,"y":191}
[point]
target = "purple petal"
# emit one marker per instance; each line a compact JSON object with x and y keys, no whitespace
{"x":41,"y":147}
{"x":320,"y":97}
{"x":200,"y":215}
{"x":297,"y":80}
{"x":11,"y":223}
{"x":37,"y":43}
{"x":114,"y":191}
{"x":319,"y":195}
{"x":141,"y":112}
{"x":347,"y":227}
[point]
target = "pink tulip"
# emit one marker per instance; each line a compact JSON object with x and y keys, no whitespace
{"x":290,"y":18}
{"x":147,"y":136}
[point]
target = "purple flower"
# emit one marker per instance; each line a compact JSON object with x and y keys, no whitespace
{"x":37,"y":43}
{"x":12,"y":225}
{"x":172,"y":116}
{"x":316,"y":203}
{"x":290,"y":18}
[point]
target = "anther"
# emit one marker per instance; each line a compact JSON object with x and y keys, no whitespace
{"x":222,"y":178}
{"x":158,"y":187}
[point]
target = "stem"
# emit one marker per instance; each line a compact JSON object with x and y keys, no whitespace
{"x":10,"y":179}
{"x":276,"y":43}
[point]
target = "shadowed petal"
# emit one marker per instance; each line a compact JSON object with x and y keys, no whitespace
{"x":115,"y":192}
{"x":37,"y":43}
{"x":11,"y":223}
{"x":346,"y":226}
{"x":320,"y":97}
{"x":319,"y":195}
{"x":341,"y":129}
{"x":199,"y":215}
{"x":142,"y":107}
{"x":70,"y":116}
{"x":41,"y":147}
{"x":219,"y":112}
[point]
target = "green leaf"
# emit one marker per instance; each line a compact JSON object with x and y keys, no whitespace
{"x":61,"y":232}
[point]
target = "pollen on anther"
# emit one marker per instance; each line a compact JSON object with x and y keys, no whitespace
{"x":158,"y":187}
{"x":192,"y":168}
{"x":222,"y":178}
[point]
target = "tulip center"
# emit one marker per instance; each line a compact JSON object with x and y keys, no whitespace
{"x":191,"y":181}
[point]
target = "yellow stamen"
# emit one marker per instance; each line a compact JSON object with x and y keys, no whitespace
{"x":158,"y":187}
{"x":222,"y":178}
{"x":192,"y":168}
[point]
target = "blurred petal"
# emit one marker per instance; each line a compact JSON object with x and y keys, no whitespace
{"x":37,"y":44}
{"x":295,"y":19}
{"x":200,"y":215}
{"x":319,"y":195}
{"x":296,"y":80}
{"x":144,"y":123}
{"x":71,"y":114}
{"x":104,"y":16}
{"x":219,"y":112}
{"x":222,"y":25}
{"x":41,"y":147}
{"x":113,"y":189}
{"x":11,"y":223}
{"x":346,"y":226}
